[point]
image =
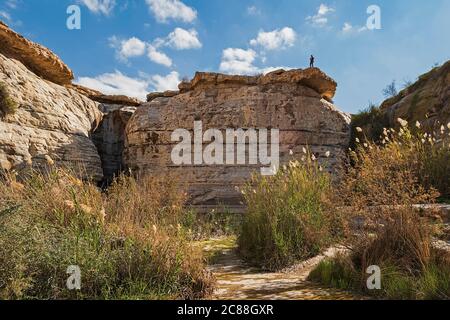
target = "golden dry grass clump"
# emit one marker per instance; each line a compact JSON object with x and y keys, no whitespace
{"x":289,"y":216}
{"x":378,"y":195}
{"x":126,"y":241}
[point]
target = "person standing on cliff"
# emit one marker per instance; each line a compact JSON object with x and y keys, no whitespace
{"x":311,"y":61}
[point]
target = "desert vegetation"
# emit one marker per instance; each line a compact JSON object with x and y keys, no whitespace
{"x":373,"y":120}
{"x":379,"y":192}
{"x":138,"y":239}
{"x":289,"y":216}
{"x":370,"y":210}
{"x":129,"y":241}
{"x":7,"y":104}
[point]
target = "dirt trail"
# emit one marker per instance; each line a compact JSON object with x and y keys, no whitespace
{"x":235,"y":280}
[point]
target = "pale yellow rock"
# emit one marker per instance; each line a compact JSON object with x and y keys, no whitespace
{"x":37,"y":58}
{"x":295,"y":102}
{"x":51,"y":121}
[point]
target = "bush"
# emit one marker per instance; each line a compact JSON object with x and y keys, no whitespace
{"x":432,"y":284}
{"x":378,"y":195}
{"x":405,"y":168}
{"x":288,"y":216}
{"x":52,"y":220}
{"x":7,"y":104}
{"x":373,"y":120}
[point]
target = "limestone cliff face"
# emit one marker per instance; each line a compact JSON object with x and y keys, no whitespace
{"x":427,"y":100}
{"x":35,"y":57}
{"x":295,"y":102}
{"x":73,"y":125}
{"x":50,"y":120}
{"x":104,"y":134}
{"x":109,"y":138}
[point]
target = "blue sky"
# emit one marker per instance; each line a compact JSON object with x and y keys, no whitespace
{"x":137,"y":46}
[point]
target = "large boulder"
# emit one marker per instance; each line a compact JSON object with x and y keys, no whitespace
{"x":35,"y":57}
{"x":296,"y":102}
{"x":51,"y":121}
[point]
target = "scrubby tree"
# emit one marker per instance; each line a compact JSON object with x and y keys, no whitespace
{"x":391,"y":90}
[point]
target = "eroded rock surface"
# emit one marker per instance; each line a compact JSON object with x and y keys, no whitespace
{"x":295,"y":102}
{"x":50,"y":120}
{"x":106,"y":99}
{"x":35,"y":57}
{"x":427,"y":100}
{"x":110,"y":138}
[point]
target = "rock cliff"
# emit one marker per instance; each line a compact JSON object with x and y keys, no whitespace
{"x":54,"y":119}
{"x":35,"y":57}
{"x":427,"y":100}
{"x":50,"y":120}
{"x":110,"y":138}
{"x":296,"y":102}
{"x":73,"y":125}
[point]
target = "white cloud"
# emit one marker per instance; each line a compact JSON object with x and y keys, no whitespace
{"x":12,"y":3}
{"x":132,"y":47}
{"x":324,"y":10}
{"x":117,"y":84}
{"x":276,"y":39}
{"x":182,"y":39}
{"x":5,"y":15}
{"x":135,"y":47}
{"x":179,"y":39}
{"x":100,"y":6}
{"x":158,"y":57}
{"x":253,"y":11}
{"x":320,"y":19}
{"x":238,"y":61}
{"x":171,"y":9}
{"x":163,"y":83}
{"x":347,"y":27}
{"x":127,"y":48}
{"x":350,"y":29}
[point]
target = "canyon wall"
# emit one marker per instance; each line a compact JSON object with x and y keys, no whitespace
{"x":54,"y":121}
{"x":58,"y":122}
{"x":297,"y":102}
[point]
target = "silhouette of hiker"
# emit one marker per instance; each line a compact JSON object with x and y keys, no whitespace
{"x":311,"y":61}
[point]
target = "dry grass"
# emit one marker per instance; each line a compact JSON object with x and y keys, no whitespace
{"x":127,"y":241}
{"x":288,"y":216}
{"x":378,"y":194}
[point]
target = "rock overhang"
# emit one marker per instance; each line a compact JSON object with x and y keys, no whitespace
{"x":312,"y":78}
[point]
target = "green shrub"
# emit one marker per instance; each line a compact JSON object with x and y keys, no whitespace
{"x":372,"y":120}
{"x":433,"y":283}
{"x":7,"y":104}
{"x":335,"y":273}
{"x":288,"y":217}
{"x":52,"y":220}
